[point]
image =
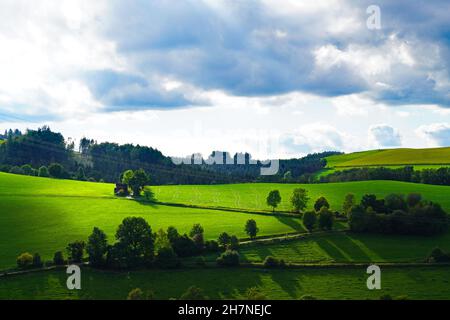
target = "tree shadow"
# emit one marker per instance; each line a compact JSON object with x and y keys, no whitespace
{"x":342,"y":248}
{"x":294,"y":223}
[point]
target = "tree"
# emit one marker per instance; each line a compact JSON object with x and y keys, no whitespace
{"x":58,"y":258}
{"x":37,"y":261}
{"x":56,"y":170}
{"x":395,"y":201}
{"x":193,"y":293}
{"x":25,"y":260}
{"x":196,"y":229}
{"x":138,"y":181}
{"x":234,"y":243}
{"x":299,"y":199}
{"x":321,"y":202}
{"x":136,"y":294}
{"x":75,"y":250}
{"x":413,"y":199}
{"x":43,"y":172}
{"x":273,"y":199}
{"x":126,"y":176}
{"x":251,"y":228}
{"x":309,"y":220}
{"x":229,"y":258}
{"x":349,"y":202}
{"x":166,"y":258}
{"x":28,"y":170}
{"x":80,"y":174}
{"x":97,"y":247}
{"x":172,"y":234}
{"x":224,"y":239}
{"x":325,"y":219}
{"x":162,"y":240}
{"x":135,"y":239}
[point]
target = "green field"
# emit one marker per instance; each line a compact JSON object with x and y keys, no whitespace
{"x":420,"y":159}
{"x":391,"y":157}
{"x":349,"y":283}
{"x":252,"y":196}
{"x":43,"y":215}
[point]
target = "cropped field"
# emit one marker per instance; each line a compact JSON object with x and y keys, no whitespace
{"x":400,"y":156}
{"x":253,"y":196}
{"x":348,"y":283}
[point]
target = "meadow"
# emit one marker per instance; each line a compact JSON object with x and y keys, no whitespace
{"x":252,"y":196}
{"x":43,"y":215}
{"x":217,"y":283}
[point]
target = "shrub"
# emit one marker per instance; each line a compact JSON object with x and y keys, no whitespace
{"x":438,"y":255}
{"x":56,"y":170}
{"x":229,"y":258}
{"x":136,"y":294}
{"x":43,"y":172}
{"x":193,"y":293}
{"x":251,"y":228}
{"x":271,"y":262}
{"x":234,"y":243}
{"x":25,"y":260}
{"x":58,"y":258}
{"x":16,"y":170}
{"x":200,"y":261}
{"x":37,"y":261}
{"x":75,"y":251}
{"x":309,"y":220}
{"x":224,"y":239}
{"x":321,"y":202}
{"x":27,"y":170}
{"x":166,"y":258}
{"x":325,"y":219}
{"x":212,"y":246}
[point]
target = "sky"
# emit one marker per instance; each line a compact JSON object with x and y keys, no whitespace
{"x":276,"y":78}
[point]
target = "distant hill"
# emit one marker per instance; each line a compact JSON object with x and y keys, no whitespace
{"x":391,"y":157}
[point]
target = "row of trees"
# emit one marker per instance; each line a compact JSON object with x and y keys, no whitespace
{"x":440,"y":176}
{"x":397,"y":214}
{"x":136,"y":245}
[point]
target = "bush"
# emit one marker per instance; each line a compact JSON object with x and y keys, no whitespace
{"x":166,"y":258}
{"x":200,"y":261}
{"x":193,"y":293}
{"x":234,"y":243}
{"x":136,"y":294}
{"x":229,"y":258}
{"x":37,"y":261}
{"x":326,"y":219}
{"x":321,"y":202}
{"x":25,"y":260}
{"x":76,"y":251}
{"x":212,"y":246}
{"x":27,"y":170}
{"x":16,"y":170}
{"x":58,"y":258}
{"x":309,"y":220}
{"x":56,"y":170}
{"x":272,"y":262}
{"x":43,"y":172}
{"x":439,"y":256}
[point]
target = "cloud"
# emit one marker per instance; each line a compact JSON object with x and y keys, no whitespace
{"x":437,"y":133}
{"x":384,"y":136}
{"x":312,"y":138}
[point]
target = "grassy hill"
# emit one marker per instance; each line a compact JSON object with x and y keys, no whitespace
{"x":429,"y":158}
{"x":43,"y":215}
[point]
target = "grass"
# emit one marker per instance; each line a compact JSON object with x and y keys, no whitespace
{"x":399,"y":156}
{"x":416,"y":283}
{"x":253,"y":196}
{"x":44,"y":215}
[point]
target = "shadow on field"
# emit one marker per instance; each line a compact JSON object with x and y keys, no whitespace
{"x":342,"y":249}
{"x":294,"y":223}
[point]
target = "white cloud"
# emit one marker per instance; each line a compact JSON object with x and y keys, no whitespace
{"x":382,"y":135}
{"x":438,"y":134}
